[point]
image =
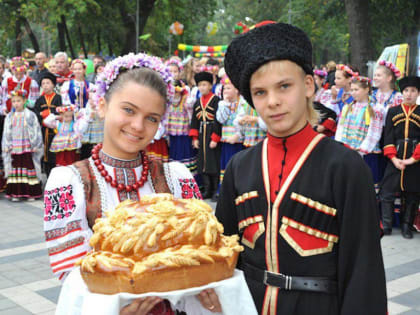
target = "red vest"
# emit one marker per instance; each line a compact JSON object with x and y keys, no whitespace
{"x":11,"y":85}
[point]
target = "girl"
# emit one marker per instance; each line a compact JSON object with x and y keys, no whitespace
{"x":66,"y":142}
{"x":95,"y":129}
{"x":132,"y":95}
{"x":177,"y":125}
{"x":340,"y":95}
{"x":252,"y":128}
{"x":175,"y":67}
{"x":226,"y":114}
{"x":22,"y":149}
{"x":360,"y":125}
{"x":158,"y":147}
{"x":76,"y":91}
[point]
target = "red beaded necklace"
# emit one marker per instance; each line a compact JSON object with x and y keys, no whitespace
{"x":113,"y":182}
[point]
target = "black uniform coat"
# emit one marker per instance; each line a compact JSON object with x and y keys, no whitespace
{"x":204,"y":124}
{"x":324,"y":222}
{"x":402,"y":134}
{"x":41,"y":104}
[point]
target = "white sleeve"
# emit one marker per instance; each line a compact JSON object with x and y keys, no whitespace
{"x":64,"y":92}
{"x":33,"y":93}
{"x":66,"y":228}
{"x":81,"y":122}
{"x":261,"y":124}
{"x":50,"y":121}
{"x":181,"y":181}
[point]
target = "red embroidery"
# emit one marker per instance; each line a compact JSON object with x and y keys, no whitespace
{"x":189,"y":189}
{"x":59,"y":203}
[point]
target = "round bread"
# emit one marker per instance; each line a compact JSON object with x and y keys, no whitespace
{"x":156,"y":245}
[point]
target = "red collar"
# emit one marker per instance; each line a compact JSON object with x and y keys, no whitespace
{"x":206,"y":98}
{"x":295,"y":142}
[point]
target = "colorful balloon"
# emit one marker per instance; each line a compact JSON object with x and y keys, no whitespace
{"x":176,"y":28}
{"x":90,"y":68}
{"x":211,"y":28}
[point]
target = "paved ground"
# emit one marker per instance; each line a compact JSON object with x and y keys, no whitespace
{"x":27,"y":285}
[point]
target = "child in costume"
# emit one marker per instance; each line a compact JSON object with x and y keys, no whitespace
{"x":226,"y":113}
{"x":133,"y":92}
{"x":206,"y":132}
{"x":158,"y":147}
{"x":177,"y":125}
{"x":360,"y":125}
{"x":302,"y":203}
{"x":67,"y":140}
{"x":45,"y":105}
{"x":250,"y":125}
{"x":402,"y":148}
{"x":22,"y":149}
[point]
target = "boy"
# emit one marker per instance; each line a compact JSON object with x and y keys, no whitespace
{"x":402,"y":147}
{"x":206,"y":132}
{"x":47,"y":104}
{"x":303,"y":204}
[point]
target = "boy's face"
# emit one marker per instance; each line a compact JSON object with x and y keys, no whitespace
{"x":47,"y":86}
{"x":410,"y":95}
{"x":18,"y":103}
{"x":204,"y":87}
{"x":280,"y":93}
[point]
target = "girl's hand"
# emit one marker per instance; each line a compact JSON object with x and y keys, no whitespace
{"x":196,"y":144}
{"x":409,"y":161}
{"x":213,"y":144}
{"x":141,"y":306}
{"x":334,"y":92}
{"x":209,"y":300}
{"x":399,"y":164}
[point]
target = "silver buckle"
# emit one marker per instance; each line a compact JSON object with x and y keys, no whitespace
{"x":288,"y":284}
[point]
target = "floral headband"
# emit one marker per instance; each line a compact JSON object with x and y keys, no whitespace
{"x":347,"y":69}
{"x":320,"y":73}
{"x":131,"y":61}
{"x":76,"y":61}
{"x":361,"y":79}
{"x":176,"y":62}
{"x":22,"y":66}
{"x":18,"y":92}
{"x":65,"y":108}
{"x":208,"y":69}
{"x":225,"y":80}
{"x":391,"y":67}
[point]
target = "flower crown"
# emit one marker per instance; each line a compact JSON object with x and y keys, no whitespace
{"x":120,"y":64}
{"x":361,"y":79}
{"x":208,"y":68}
{"x":66,"y":108}
{"x":174,"y":61}
{"x":76,"y":61}
{"x":225,"y":80}
{"x":18,"y":92}
{"x":22,"y":67}
{"x":347,"y":69}
{"x":391,"y":67}
{"x":320,"y":73}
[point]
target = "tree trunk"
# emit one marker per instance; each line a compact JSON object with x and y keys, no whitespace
{"x":66,"y":31}
{"x":31,"y":34}
{"x":61,"y":36}
{"x":110,"y":52}
{"x":18,"y":36}
{"x":98,"y":38}
{"x":82,"y":41}
{"x":360,"y":36}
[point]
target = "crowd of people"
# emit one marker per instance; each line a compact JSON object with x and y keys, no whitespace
{"x":198,"y":113}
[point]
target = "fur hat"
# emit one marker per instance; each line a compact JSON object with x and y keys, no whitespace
{"x":203,"y":76}
{"x":50,"y":76}
{"x":268,"y":41}
{"x":409,"y":81}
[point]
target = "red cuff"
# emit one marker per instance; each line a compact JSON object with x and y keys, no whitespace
{"x":416,"y":153}
{"x":193,"y":133}
{"x":215,"y":137}
{"x":45,"y":113}
{"x":330,"y":124}
{"x":390,"y":151}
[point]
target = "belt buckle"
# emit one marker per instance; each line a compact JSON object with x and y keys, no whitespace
{"x":288,"y":279}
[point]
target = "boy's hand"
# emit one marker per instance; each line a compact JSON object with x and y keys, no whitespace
{"x":399,"y":164}
{"x":409,"y":161}
{"x":209,"y":300}
{"x":320,"y":128}
{"x":141,"y":306}
{"x":213,"y":144}
{"x":196,"y":144}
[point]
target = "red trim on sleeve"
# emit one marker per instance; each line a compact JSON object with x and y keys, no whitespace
{"x":416,"y":153}
{"x":390,"y":151}
{"x":215,"y":137}
{"x":45,"y":113}
{"x":330,"y":124}
{"x":193,"y":133}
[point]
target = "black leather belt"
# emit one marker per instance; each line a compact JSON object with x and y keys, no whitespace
{"x":284,"y":282}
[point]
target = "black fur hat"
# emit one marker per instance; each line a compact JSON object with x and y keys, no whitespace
{"x":409,"y":81}
{"x":268,"y":41}
{"x":203,"y":76}
{"x":49,"y":75}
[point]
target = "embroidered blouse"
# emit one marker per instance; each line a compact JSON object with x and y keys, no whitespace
{"x":252,"y":133}
{"x":177,"y":120}
{"x":75,"y":92}
{"x":226,"y":114}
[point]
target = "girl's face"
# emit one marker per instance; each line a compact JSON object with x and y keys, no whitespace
{"x":229,"y":92}
{"x":52,"y":67}
{"x":131,"y":119}
{"x":196,"y":66}
{"x":47,"y":86}
{"x":359,"y":93}
{"x":173,"y":69}
{"x":318,"y":81}
{"x":381,"y":78}
{"x":19,"y":74}
{"x":340,"y":80}
{"x":78,"y":70}
{"x":18,"y":103}
{"x":67,"y":116}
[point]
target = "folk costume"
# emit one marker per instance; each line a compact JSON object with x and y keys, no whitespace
{"x":22,"y":150}
{"x":45,"y":105}
{"x":327,"y":119}
{"x":158,"y":148}
{"x":402,"y":140}
{"x":252,"y":132}
{"x":298,"y":205}
{"x":94,"y":133}
{"x":206,"y":128}
{"x":64,"y":77}
{"x":26,"y":83}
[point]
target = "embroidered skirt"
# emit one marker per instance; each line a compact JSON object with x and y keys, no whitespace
{"x":94,"y":133}
{"x":158,"y":150}
{"x":22,"y":181}
{"x":65,"y":158}
{"x":181,"y":150}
